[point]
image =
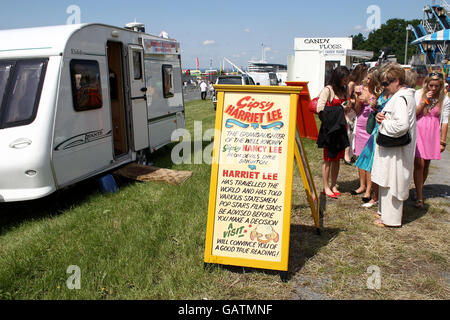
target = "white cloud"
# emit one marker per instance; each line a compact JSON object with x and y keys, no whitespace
{"x":247,"y":30}
{"x":360,"y":28}
{"x":209,"y":42}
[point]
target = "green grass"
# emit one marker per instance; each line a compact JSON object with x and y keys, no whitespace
{"x":144,"y":242}
{"x":147,"y":242}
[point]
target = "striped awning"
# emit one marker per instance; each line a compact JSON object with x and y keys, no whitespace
{"x":442,"y":35}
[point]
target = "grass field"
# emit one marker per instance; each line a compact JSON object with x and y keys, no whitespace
{"x":147,"y":242}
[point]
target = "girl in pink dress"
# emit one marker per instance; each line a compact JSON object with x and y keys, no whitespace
{"x":367,"y":96}
{"x":430,"y":101}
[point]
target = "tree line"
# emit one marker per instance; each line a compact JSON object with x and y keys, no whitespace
{"x":391,"y":34}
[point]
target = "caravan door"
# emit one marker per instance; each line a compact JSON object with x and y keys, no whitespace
{"x":138,"y":95}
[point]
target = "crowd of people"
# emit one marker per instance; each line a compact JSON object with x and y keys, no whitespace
{"x":375,"y":120}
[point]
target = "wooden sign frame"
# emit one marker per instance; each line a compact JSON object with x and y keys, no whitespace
{"x":280,"y":261}
{"x":308,"y":182}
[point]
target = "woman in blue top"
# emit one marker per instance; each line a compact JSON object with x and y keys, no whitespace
{"x":365,"y":159}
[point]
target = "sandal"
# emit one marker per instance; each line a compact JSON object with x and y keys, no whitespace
{"x":379,"y":223}
{"x":419,"y":204}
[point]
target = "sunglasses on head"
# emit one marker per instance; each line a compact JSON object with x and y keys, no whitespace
{"x":435,"y":74}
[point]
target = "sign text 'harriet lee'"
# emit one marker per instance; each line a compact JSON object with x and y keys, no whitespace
{"x":249,"y":186}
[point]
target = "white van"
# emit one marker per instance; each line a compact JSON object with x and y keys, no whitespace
{"x":80,"y":100}
{"x":264,"y":78}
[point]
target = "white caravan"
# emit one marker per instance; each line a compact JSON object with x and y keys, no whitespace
{"x":79,"y":100}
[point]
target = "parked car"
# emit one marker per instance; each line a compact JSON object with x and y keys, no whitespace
{"x":242,"y":79}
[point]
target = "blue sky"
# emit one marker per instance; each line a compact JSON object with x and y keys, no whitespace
{"x":216,"y":29}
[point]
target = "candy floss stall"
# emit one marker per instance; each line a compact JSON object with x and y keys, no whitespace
{"x":315,"y":58}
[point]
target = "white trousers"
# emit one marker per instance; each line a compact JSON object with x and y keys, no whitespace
{"x":390,"y":208}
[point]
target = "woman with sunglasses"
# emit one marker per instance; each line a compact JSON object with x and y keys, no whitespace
{"x":432,"y":125}
{"x":393,"y":166}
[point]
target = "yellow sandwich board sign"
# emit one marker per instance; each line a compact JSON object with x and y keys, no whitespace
{"x":251,"y":176}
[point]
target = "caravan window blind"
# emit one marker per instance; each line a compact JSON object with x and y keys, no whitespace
{"x":20,"y":90}
{"x":86,"y":85}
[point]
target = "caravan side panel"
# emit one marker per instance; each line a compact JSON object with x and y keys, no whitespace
{"x":164,"y":98}
{"x":83,"y":136}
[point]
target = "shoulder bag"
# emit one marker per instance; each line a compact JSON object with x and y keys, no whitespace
{"x":312,"y":106}
{"x":390,"y":142}
{"x":371,"y":122}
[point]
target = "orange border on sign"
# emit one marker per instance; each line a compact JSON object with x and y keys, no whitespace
{"x":283,"y":264}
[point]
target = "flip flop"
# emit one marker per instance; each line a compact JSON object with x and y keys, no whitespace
{"x":333,"y":196}
{"x":354,"y":193}
{"x":379,"y":223}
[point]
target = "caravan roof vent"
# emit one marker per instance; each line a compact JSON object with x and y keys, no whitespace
{"x":136,"y":26}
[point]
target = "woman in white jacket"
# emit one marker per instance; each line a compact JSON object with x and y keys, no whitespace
{"x":393,"y":166}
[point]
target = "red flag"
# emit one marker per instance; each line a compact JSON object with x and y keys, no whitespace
{"x":197,"y":64}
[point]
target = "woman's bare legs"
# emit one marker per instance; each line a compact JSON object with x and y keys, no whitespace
{"x":426,"y":169}
{"x":362,"y":181}
{"x":334,"y":175}
{"x":330,"y":168}
{"x":421,"y":168}
{"x":326,"y":168}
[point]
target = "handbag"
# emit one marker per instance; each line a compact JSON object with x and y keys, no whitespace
{"x":390,"y":142}
{"x":312,"y":106}
{"x":371,"y":123}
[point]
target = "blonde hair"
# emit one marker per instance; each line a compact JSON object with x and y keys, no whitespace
{"x":375,"y":78}
{"x":425,"y":90}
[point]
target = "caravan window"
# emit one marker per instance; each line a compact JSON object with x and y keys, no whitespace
{"x":20,"y":91}
{"x":167,"y":77}
{"x":86,"y":86}
{"x":137,"y":65}
{"x":5,"y":70}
